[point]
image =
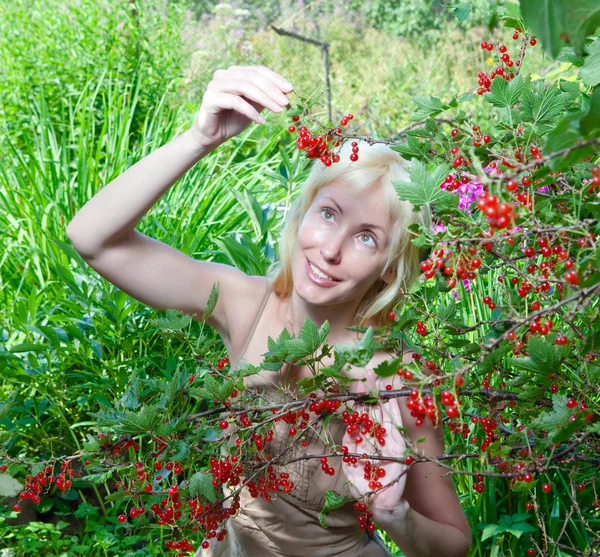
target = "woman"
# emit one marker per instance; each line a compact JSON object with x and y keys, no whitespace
{"x":345,"y":257}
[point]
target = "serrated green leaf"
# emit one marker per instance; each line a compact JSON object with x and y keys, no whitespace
{"x":556,"y":22}
{"x":309,"y":333}
{"x":175,"y":320}
{"x":491,"y":530}
{"x":143,"y":421}
{"x":590,"y":72}
{"x":554,"y":419}
{"x":462,"y":11}
{"x":567,"y":54}
{"x":543,"y":102}
{"x":424,"y":187}
{"x":212,"y":301}
{"x":201,"y":484}
{"x":427,"y":105}
{"x":359,"y":354}
{"x":99,"y":478}
{"x":388,"y":368}
{"x":296,"y":348}
{"x":333,"y":500}
{"x":413,"y":148}
{"x":182,"y":450}
{"x":505,"y":94}
{"x":447,"y":311}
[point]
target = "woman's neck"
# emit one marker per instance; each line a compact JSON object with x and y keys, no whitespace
{"x":339,"y":317}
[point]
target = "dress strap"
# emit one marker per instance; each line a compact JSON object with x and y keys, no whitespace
{"x":252,"y":329}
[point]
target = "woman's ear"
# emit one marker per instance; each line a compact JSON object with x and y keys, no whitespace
{"x":389,"y":275}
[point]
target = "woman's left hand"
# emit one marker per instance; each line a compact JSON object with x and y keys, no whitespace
{"x":386,"y":502}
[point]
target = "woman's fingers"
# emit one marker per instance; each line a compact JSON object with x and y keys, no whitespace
{"x":279,"y":80}
{"x":258,"y":78}
{"x":227,"y":101}
{"x":248,"y":90}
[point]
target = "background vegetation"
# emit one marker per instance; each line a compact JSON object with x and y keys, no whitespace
{"x":89,"y":87}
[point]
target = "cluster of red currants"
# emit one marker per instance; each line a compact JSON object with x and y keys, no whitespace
{"x":365,"y":519}
{"x":421,"y":329}
{"x":466,"y":267}
{"x":581,"y":409}
{"x":485,"y":79}
{"x":479,"y":485}
{"x":321,"y":145}
{"x":120,"y":446}
{"x":222,"y":363}
{"x":362,"y":424}
{"x":183,"y":546}
{"x":499,"y":215}
{"x":487,"y":300}
{"x":422,"y":408}
{"x":489,"y":426}
{"x":36,"y":484}
{"x":373,"y":474}
{"x":226,"y":470}
{"x":329,"y":470}
{"x":458,"y":428}
{"x":451,"y":404}
{"x":595,"y":185}
{"x":270,"y":483}
{"x":211,"y":517}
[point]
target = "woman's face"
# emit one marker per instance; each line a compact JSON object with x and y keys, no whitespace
{"x":345,"y":233}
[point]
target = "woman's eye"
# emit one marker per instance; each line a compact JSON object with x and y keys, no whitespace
{"x":363,"y":235}
{"x":325,"y":210}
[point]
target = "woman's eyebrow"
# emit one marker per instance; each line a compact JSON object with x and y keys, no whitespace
{"x":368,"y":225}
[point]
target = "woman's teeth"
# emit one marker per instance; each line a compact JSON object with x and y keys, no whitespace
{"x":319,"y":273}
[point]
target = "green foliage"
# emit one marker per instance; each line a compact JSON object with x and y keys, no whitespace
{"x":561,"y":21}
{"x":333,"y":500}
{"x":201,"y":485}
{"x":101,"y":86}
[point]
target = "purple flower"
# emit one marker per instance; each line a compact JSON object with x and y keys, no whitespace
{"x":238,"y":33}
{"x":439,"y":227}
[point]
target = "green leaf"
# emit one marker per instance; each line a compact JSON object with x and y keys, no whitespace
{"x":505,"y":94}
{"x":424,"y":187}
{"x":333,"y":500}
{"x":143,"y":421}
{"x":448,"y":311}
{"x":543,"y":102}
{"x":201,"y":484}
{"x":462,"y":11}
{"x":557,"y":21}
{"x":491,"y":530}
{"x":567,"y":54}
{"x":427,"y":105}
{"x":359,"y":354}
{"x":175,"y":320}
{"x":100,"y":478}
{"x":590,"y":123}
{"x":556,"y":419}
{"x":388,"y":368}
{"x":211,"y":302}
{"x":413,"y":148}
{"x":590,"y":73}
{"x":129,"y":399}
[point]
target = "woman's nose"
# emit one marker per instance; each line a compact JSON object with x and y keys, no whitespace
{"x":331,"y":250}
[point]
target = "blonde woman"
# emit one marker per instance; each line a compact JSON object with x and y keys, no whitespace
{"x":345,"y":257}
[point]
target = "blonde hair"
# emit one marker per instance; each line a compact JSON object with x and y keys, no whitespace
{"x":376,"y":164}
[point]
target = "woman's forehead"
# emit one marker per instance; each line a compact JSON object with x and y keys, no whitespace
{"x":369,"y":200}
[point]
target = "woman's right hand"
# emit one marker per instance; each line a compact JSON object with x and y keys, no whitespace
{"x":235,"y":98}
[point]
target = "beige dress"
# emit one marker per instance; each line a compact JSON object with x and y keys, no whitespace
{"x":289,"y":524}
